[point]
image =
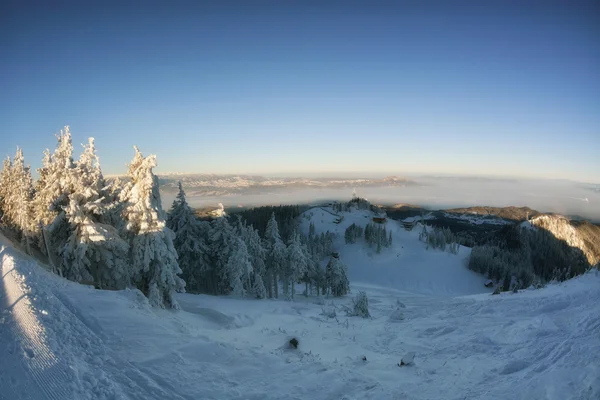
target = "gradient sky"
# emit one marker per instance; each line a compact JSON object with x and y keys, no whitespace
{"x":290,"y":87}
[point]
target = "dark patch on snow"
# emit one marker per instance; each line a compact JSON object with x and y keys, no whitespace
{"x":514,"y":366}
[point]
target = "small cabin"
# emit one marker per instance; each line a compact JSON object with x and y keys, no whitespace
{"x":379,"y":220}
{"x":489,"y":283}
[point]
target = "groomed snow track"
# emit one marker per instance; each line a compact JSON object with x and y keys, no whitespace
{"x":48,"y":351}
{"x":24,"y":351}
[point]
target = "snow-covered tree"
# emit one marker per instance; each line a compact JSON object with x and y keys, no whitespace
{"x":5,"y":184}
{"x":360,"y":306}
{"x":57,"y":180}
{"x":239,"y":268}
{"x":377,"y":235}
{"x":276,"y":256}
{"x":258,"y":257}
{"x":297,"y":266}
{"x":221,"y":243}
{"x":336,"y":279}
{"x":17,"y":203}
{"x":352,"y":233}
{"x":189,"y":242}
{"x":153,"y":256}
{"x":93,"y":251}
{"x":113,"y":212}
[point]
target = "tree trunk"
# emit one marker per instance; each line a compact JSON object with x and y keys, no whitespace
{"x":269,"y":282}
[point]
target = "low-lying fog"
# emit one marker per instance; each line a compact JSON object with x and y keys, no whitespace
{"x":562,"y":197}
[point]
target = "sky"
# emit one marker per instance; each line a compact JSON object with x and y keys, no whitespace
{"x":303,"y":87}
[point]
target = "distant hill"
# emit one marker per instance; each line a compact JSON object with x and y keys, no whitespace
{"x":579,"y":234}
{"x":223,"y":185}
{"x":511,"y":213}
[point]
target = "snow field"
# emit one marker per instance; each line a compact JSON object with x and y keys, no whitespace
{"x":537,"y":344}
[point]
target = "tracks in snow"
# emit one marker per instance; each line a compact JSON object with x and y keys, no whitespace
{"x":25,"y":354}
{"x":50,"y":352}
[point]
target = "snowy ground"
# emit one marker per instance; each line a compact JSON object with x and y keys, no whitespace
{"x":61,"y":340}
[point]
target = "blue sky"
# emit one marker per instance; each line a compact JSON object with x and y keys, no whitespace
{"x":500,"y":88}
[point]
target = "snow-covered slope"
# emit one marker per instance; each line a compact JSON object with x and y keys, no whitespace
{"x":61,"y":340}
{"x":406,"y":265}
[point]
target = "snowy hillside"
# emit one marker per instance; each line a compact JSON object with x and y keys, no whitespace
{"x":406,"y":265}
{"x":62,"y":340}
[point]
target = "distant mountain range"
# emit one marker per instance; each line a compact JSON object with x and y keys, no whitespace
{"x":221,"y":185}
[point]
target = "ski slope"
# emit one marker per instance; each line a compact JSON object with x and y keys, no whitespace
{"x":407,"y":265}
{"x":62,"y":340}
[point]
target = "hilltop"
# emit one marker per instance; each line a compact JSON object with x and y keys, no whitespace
{"x":405,"y":265}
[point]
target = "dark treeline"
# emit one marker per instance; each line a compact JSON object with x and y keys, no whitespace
{"x":519,"y":257}
{"x":286,"y":217}
{"x":230,"y":255}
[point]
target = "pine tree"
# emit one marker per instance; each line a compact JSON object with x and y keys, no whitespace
{"x":17,"y":203}
{"x":311,"y":230}
{"x":239,"y":268}
{"x":5,"y":185}
{"x":93,"y":251}
{"x":276,"y":256}
{"x":336,"y":279}
{"x":297,"y":265}
{"x":221,"y":242}
{"x":58,"y":182}
{"x":113,"y":213}
{"x":348,"y":236}
{"x":258,"y":286}
{"x":257,"y":257}
{"x":189,"y":242}
{"x":153,"y":256}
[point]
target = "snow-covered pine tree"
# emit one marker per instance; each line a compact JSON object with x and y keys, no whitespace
{"x":297,"y":266}
{"x":317,"y":277}
{"x":113,"y":212}
{"x":335,"y":276}
{"x":152,"y":254}
{"x":258,"y":256}
{"x":348,"y":235}
{"x":58,"y":182}
{"x":189,"y":242}
{"x":239,"y":268}
{"x":276,"y":256}
{"x":221,"y":242}
{"x":5,"y":185}
{"x":93,"y":251}
{"x":17,"y":212}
